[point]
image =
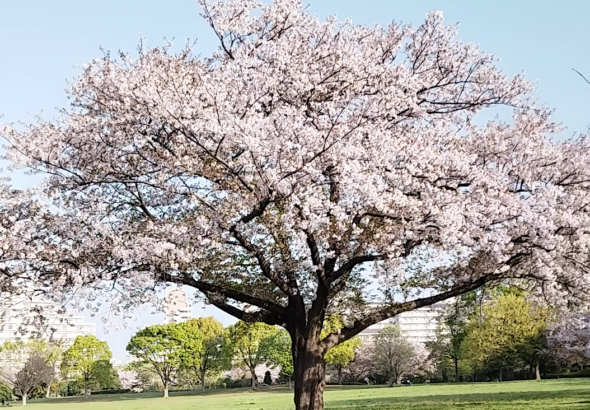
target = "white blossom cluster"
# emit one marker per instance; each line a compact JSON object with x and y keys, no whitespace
{"x":269,"y":174}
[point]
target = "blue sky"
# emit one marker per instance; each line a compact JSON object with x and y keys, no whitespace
{"x":41,"y":41}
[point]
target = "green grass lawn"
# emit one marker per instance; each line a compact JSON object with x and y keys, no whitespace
{"x":523,"y":395}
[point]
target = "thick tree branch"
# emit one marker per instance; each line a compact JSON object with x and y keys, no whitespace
{"x":379,"y":315}
{"x":349,"y":266}
{"x":210,"y":289}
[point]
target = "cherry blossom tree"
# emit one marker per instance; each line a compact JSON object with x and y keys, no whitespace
{"x":362,"y":367}
{"x":568,"y":339}
{"x":304,"y":168}
{"x":129,"y":379}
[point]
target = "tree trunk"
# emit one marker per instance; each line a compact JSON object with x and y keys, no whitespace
{"x":339,"y":374}
{"x":24,"y":400}
{"x":253,"y":372}
{"x":500,"y":375}
{"x":48,"y":392}
{"x":166,"y":390}
{"x":309,"y":374}
{"x":203,"y":379}
{"x":537,"y":372}
{"x":456,"y":360}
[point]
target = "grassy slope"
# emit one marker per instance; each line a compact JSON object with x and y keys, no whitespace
{"x":529,"y":395}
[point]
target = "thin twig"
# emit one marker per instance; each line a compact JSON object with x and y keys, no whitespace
{"x":581,"y":75}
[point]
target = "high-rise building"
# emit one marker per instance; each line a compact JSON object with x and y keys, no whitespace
{"x":23,"y":319}
{"x":417,"y":325}
{"x":177,"y":308}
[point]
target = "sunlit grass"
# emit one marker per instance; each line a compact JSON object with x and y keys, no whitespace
{"x":523,"y":395}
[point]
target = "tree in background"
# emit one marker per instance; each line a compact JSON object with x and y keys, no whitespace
{"x":451,"y":332}
{"x":278,"y":348}
{"x":129,"y":379}
{"x":393,"y":354}
{"x":29,"y":376}
{"x":161,"y":346}
{"x":203,"y":351}
{"x":362,"y":367}
{"x":89,"y":360}
{"x":510,"y":329}
{"x":269,"y":174}
{"x":23,"y":367}
{"x":54,"y":356}
{"x":5,"y":394}
{"x":568,"y":340}
{"x":342,"y":354}
{"x":249,"y":345}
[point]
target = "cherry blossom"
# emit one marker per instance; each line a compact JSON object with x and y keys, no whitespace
{"x":568,"y":339}
{"x":307,"y":167}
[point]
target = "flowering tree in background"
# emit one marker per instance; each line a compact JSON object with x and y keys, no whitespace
{"x":300,"y":164}
{"x":129,"y":379}
{"x":568,"y":339}
{"x":362,"y":368}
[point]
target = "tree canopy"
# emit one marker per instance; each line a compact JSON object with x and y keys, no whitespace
{"x":162,"y":347}
{"x":509,"y":329}
{"x":87,"y":359}
{"x":271,"y":173}
{"x":251,"y":344}
{"x":203,"y":347}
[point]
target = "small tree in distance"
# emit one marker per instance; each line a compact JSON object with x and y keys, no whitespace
{"x":31,"y":375}
{"x":393,"y":354}
{"x":451,"y":331}
{"x":87,"y":359}
{"x":54,"y":356}
{"x":509,"y":330}
{"x":161,"y":347}
{"x":248,"y":345}
{"x":203,"y":347}
{"x":26,"y":365}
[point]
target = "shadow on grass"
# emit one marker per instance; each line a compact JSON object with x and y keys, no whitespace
{"x":556,"y":396}
{"x":105,"y":398}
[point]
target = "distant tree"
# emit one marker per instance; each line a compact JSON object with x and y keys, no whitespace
{"x":362,"y":367}
{"x":278,"y":351}
{"x":105,"y":375}
{"x":452,"y":330}
{"x":29,"y":376}
{"x":18,"y":352}
{"x":342,"y":354}
{"x":568,"y":340}
{"x":129,"y":379}
{"x":202,"y":351}
{"x":18,"y":363}
{"x":54,"y":356}
{"x":250,"y":344}
{"x":161,"y":346}
{"x":5,"y":393}
{"x":392,"y":353}
{"x":87,"y":359}
{"x":511,"y":329}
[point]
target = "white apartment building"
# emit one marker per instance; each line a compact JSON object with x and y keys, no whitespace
{"x":177,"y":308}
{"x":417,"y":325}
{"x":24,"y":319}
